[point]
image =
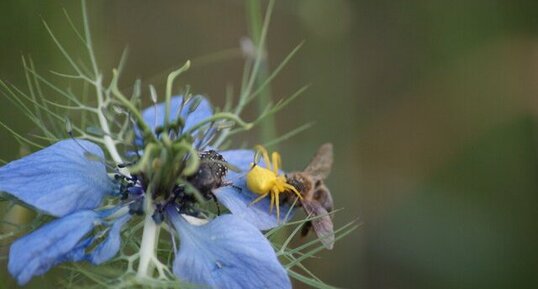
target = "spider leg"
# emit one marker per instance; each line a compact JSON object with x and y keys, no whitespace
{"x":277,"y":208}
{"x":277,"y":162}
{"x":265,"y":155}
{"x":272,"y":201}
{"x":258,"y":199}
{"x":293,"y":189}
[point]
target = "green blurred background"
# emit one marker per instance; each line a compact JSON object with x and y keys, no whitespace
{"x":431,"y":106}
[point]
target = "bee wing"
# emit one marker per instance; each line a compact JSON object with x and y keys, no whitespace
{"x":323,"y":224}
{"x":320,"y":165}
{"x":324,"y":197}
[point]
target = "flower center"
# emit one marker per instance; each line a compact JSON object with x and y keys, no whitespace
{"x":186,"y":196}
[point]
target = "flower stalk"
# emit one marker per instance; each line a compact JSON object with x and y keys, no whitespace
{"x":103,"y":122}
{"x":148,"y":246}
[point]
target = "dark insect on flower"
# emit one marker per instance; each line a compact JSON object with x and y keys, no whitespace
{"x":317,"y":200}
{"x":210,"y":174}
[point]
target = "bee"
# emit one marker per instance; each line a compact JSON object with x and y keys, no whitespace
{"x":316,"y":198}
{"x":267,"y":181}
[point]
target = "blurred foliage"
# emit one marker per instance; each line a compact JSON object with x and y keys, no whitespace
{"x":457,"y":232}
{"x":431,"y":106}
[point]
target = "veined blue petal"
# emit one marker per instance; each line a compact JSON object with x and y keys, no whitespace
{"x":226,"y":253}
{"x":37,"y":252}
{"x":154,"y":115}
{"x":111,"y":245}
{"x":258,"y":214}
{"x":65,"y":177}
{"x":238,"y":198}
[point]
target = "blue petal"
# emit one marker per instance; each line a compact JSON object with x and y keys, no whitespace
{"x":154,"y":115}
{"x":241,"y":159}
{"x":78,"y":253}
{"x":226,"y":253}
{"x":62,"y":178}
{"x":37,"y":252}
{"x":238,"y":198}
{"x":239,"y":203}
{"x":111,"y":245}
{"x":201,"y":112}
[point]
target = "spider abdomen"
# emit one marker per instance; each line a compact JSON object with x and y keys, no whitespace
{"x":261,"y":180}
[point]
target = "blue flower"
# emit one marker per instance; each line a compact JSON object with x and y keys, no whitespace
{"x":236,"y":197}
{"x":68,"y":180}
{"x":227,"y":253}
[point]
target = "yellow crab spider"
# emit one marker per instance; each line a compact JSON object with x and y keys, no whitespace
{"x":265,"y":181}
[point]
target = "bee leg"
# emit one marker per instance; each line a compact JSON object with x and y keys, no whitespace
{"x":306,"y":228}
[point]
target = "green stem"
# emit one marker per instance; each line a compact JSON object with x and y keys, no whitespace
{"x":194,"y":160}
{"x":169,"y":83}
{"x":146,"y":131}
{"x":109,"y":142}
{"x":217,"y":116}
{"x":254,"y":15}
{"x":149,"y":242}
